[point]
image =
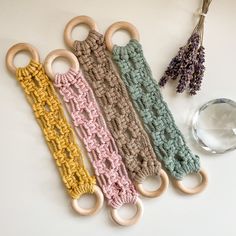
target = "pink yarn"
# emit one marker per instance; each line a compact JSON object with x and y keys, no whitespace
{"x":90,"y":126}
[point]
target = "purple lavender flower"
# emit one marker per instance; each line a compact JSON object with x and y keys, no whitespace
{"x":199,"y":69}
{"x":186,"y":76}
{"x":173,"y":68}
{"x":187,"y":64}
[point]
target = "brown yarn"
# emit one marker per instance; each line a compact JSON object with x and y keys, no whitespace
{"x":132,"y":141}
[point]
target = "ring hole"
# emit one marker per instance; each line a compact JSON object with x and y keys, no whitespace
{"x":122,"y":38}
{"x":47,"y":108}
{"x":192,"y":180}
{"x":61,"y":65}
{"x":22,"y":59}
{"x":80,"y":32}
{"x":152,"y":183}
{"x":127,"y":211}
{"x":87,"y":201}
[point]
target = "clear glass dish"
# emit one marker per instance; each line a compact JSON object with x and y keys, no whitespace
{"x":214,"y":126}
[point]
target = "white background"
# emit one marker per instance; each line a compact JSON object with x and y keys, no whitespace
{"x":32,"y":197}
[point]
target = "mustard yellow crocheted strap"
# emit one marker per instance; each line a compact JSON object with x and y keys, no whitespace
{"x":57,"y":131}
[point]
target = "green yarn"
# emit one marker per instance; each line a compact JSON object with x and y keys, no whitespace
{"x":168,"y":141}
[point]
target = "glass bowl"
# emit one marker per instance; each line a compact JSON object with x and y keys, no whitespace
{"x":214,"y":126}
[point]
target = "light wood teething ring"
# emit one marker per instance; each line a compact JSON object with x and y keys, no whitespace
{"x":127,"y":222}
{"x":56,"y":54}
{"x":199,"y":188}
{"x":92,"y":211}
{"x":73,"y":23}
{"x":35,"y":57}
{"x":157,"y":192}
{"x":19,"y":48}
{"x":120,"y":25}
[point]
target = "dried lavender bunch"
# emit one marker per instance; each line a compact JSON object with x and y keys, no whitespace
{"x":188,"y":64}
{"x":182,"y":66}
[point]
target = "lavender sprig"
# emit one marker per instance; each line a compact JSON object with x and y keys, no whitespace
{"x":173,"y":68}
{"x":188,"y":60}
{"x":195,"y":82}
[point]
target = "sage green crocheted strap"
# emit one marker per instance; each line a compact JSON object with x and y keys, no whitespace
{"x":168,"y":141}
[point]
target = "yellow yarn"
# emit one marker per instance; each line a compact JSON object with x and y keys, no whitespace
{"x":58,"y":133}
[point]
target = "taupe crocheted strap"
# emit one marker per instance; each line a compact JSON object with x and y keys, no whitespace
{"x":132,"y":141}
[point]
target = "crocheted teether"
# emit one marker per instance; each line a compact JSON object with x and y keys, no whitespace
{"x":168,"y":142}
{"x":89,"y":124}
{"x":132,"y":141}
{"x":57,"y":132}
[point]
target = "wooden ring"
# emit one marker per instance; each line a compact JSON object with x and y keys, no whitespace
{"x":199,"y":188}
{"x":73,"y":23}
{"x":121,"y":25}
{"x":11,"y":53}
{"x":92,"y":211}
{"x":127,"y":222}
{"x":52,"y":56}
{"x":157,"y":192}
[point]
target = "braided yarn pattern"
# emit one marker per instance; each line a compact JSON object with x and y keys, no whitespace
{"x":168,"y":142}
{"x":110,"y":171}
{"x":58,"y":134}
{"x":132,"y":141}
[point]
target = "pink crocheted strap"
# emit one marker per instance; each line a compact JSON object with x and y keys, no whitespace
{"x":91,"y":128}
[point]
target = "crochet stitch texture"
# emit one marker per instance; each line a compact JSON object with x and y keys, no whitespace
{"x":110,"y":171}
{"x":132,"y":141}
{"x":168,"y":142}
{"x":58,"y":134}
